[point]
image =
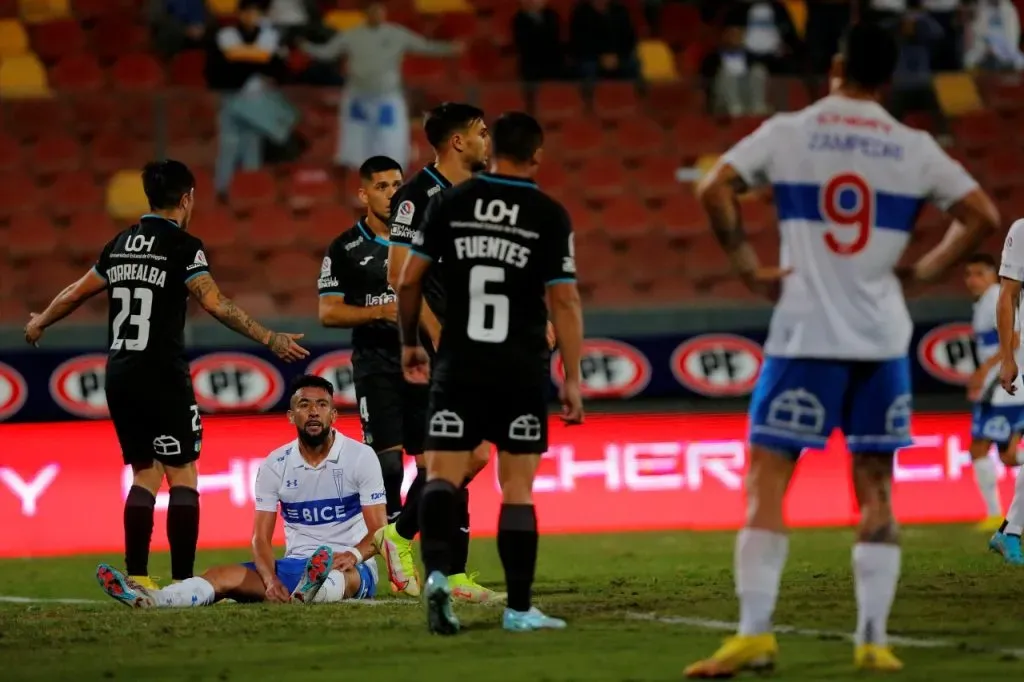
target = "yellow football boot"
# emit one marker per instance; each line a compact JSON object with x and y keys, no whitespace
{"x":738,"y":653}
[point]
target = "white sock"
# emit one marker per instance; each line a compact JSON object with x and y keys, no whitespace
{"x":986,"y":477}
{"x":1015,"y":517}
{"x":189,"y":592}
{"x":758,"y":562}
{"x":876,"y":570}
{"x":333,"y":589}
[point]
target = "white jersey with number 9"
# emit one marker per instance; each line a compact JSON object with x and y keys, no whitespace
{"x":849,"y":182}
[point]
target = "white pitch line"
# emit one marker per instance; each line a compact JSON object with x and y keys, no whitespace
{"x":909,"y":642}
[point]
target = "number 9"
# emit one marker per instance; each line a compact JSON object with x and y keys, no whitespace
{"x":860,"y":216}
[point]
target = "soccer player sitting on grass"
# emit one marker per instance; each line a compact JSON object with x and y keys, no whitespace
{"x":331,"y":496}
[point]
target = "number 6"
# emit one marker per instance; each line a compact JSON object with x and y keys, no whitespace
{"x":860,"y":216}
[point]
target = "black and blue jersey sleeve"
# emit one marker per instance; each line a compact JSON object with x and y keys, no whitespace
{"x":559,"y":257}
{"x":332,"y":271}
{"x":429,"y":240}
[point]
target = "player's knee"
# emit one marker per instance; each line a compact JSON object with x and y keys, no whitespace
{"x":447,"y":466}
{"x":184,"y":496}
{"x":148,"y":477}
{"x":391,"y":463}
{"x":1008,"y":456}
{"x":186,"y":476}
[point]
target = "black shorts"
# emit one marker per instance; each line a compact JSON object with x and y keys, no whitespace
{"x":514,"y":418}
{"x":393,"y":413}
{"x":155,"y":422}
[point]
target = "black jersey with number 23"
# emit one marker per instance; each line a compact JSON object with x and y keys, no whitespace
{"x":501,"y":242}
{"x":146,"y":268}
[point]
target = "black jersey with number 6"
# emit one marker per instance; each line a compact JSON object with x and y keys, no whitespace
{"x":502,"y":242}
{"x":146,"y":268}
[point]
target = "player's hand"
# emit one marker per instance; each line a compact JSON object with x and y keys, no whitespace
{"x":344,"y":561}
{"x":549,"y":334}
{"x":277,"y":592}
{"x":767,"y":281}
{"x":1008,"y":373}
{"x":283,"y":346}
{"x":415,"y":365}
{"x":572,"y":402}
{"x":33,"y":331}
{"x":389,"y":312}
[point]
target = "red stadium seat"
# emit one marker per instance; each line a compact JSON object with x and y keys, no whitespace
{"x":666,"y":101}
{"x":596,"y":261}
{"x":325,"y":222}
{"x":758,"y":215}
{"x":271,"y":228}
{"x":978,"y":132}
{"x":137,"y":72}
{"x":18,"y":193}
{"x":217,"y":227}
{"x":705,"y":258}
{"x":559,"y":102}
{"x":582,"y":139}
{"x":697,"y":135}
{"x":116,"y":35}
{"x":655,"y":178}
{"x":252,"y":189}
{"x":74,"y":192}
{"x":679,"y":23}
{"x":615,"y":101}
{"x":88,"y":233}
{"x":187,"y":69}
{"x":497,"y":98}
{"x":671,"y":288}
{"x":30,"y":118}
{"x":86,"y":10}
{"x":681,"y":215}
{"x":292,"y":272}
{"x":649,"y":259}
{"x":417,"y":69}
{"x":553,"y":178}
{"x":11,"y":158}
{"x":55,"y":40}
{"x":613,"y":293}
{"x":601,"y":178}
{"x":625,"y":218}
{"x":257,"y":304}
{"x":310,"y":186}
{"x":730,"y":288}
{"x":77,"y":72}
{"x":636,"y":138}
{"x":55,"y":154}
{"x":31,"y":236}
{"x":584,"y":221}
{"x":456,"y":26}
{"x":92,"y":113}
{"x":486,"y":63}
{"x":110,"y":152}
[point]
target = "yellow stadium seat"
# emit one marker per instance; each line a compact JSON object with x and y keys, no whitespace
{"x":442,"y":6}
{"x":13,"y":39}
{"x":23,"y":76}
{"x":798,"y":13}
{"x":657,"y":61}
{"x":42,"y":11}
{"x":343,"y":20}
{"x":223,"y":8}
{"x":125,"y":197}
{"x":957,"y":93}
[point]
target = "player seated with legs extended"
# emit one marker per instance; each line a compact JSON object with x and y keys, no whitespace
{"x":329,"y":492}
{"x":848,"y":182}
{"x":998,"y":417}
{"x":504,"y":251}
{"x":148,"y":271}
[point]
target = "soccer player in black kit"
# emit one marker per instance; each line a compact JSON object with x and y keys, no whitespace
{"x":461,"y":143}
{"x":148,"y":272}
{"x":505,"y":254}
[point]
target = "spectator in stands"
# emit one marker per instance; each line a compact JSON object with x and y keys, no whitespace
{"x":770,"y":37}
{"x":995,"y":37}
{"x":740,"y":80}
{"x":918,"y":34}
{"x":948,"y":53}
{"x":826,"y":21}
{"x":537,"y":33}
{"x":242,"y":64}
{"x":177,"y":24}
{"x":604,"y":40}
{"x":373,"y":114}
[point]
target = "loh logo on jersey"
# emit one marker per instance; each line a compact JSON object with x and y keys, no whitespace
{"x":337,"y":368}
{"x":13,"y":391}
{"x":525,"y":427}
{"x":446,"y":424}
{"x":797,"y":410}
{"x":497,"y":211}
{"x":78,"y":386}
{"x":404,"y":214}
{"x":199,"y":262}
{"x":948,"y":353}
{"x":609,"y":369}
{"x":166,"y":446}
{"x":235,"y":382}
{"x":137,"y":243}
{"x":718,"y":365}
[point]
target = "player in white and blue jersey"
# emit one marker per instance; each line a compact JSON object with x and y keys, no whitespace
{"x":848,"y":181}
{"x":330,"y":494}
{"x":997,"y":417}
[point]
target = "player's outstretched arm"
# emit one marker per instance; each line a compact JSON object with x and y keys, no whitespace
{"x":263,"y":555}
{"x":334,"y":312}
{"x":64,"y":303}
{"x":566,"y":313}
{"x":206,"y":291}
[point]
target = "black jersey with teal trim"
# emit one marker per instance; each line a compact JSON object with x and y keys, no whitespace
{"x":146,"y":268}
{"x":356,"y":268}
{"x":408,"y":206}
{"x":498,"y":242}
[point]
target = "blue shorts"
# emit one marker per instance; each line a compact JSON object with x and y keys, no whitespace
{"x":799,"y":401}
{"x":997,"y":423}
{"x":289,"y":572}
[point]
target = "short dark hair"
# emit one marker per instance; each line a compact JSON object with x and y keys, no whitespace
{"x":261,"y":5}
{"x":446,"y":119}
{"x":870,"y":53}
{"x":310,"y":381}
{"x":516,"y":136}
{"x":166,"y":182}
{"x":378,"y":164}
{"x":982,"y":259}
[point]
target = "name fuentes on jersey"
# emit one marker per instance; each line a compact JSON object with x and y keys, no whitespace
{"x":485,"y":246}
{"x":139,"y":272}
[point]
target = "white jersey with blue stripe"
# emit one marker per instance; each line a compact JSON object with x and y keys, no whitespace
{"x":849,"y":181}
{"x":986,"y":341}
{"x":320,"y":505}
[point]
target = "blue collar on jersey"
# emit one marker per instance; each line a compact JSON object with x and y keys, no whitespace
{"x":506,"y":180}
{"x":370,"y":234}
{"x":153,"y":216}
{"x":431,"y":170}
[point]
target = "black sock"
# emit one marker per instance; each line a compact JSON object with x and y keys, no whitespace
{"x":1002,"y":528}
{"x":183,"y":530}
{"x":439,"y":510}
{"x":517,"y":547}
{"x":408,"y":523}
{"x":393,"y":472}
{"x":460,"y":541}
{"x":138,"y":530}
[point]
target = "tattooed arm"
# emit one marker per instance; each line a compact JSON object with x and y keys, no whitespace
{"x":206,"y":291}
{"x":65,"y":303}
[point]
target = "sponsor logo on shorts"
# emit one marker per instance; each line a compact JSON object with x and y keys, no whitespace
{"x":609,"y":369}
{"x":77,"y":385}
{"x":404,"y":214}
{"x":13,"y":391}
{"x":166,"y":446}
{"x":337,"y":368}
{"x":235,"y":382}
{"x":525,"y":427}
{"x":446,"y":424}
{"x":718,"y":365}
{"x":948,"y":353}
